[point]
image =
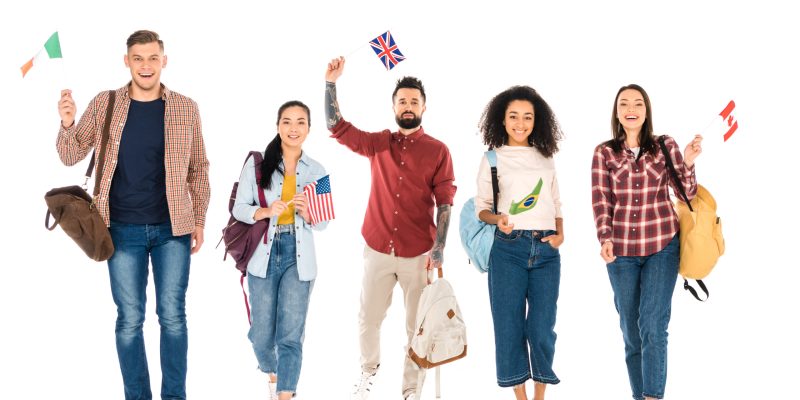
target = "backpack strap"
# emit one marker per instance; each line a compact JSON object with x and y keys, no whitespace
{"x":257,"y":160}
{"x":673,"y":172}
{"x":679,"y":185}
{"x":101,"y":156}
{"x":691,"y":290}
{"x":492,"y":157}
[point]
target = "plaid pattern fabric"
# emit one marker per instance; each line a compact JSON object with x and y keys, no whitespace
{"x":185,"y":162}
{"x":631,"y":200}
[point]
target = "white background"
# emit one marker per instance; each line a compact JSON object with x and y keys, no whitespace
{"x":240,"y":62}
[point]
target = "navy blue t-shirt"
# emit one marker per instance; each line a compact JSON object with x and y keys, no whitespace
{"x":138,"y":189}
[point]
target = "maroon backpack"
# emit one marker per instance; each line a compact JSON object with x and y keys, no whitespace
{"x":241,"y":239}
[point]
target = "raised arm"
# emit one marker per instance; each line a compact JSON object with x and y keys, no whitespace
{"x":332,"y":73}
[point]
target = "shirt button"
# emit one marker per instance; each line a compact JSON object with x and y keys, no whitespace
{"x":402,"y":163}
{"x":395,"y":229}
{"x":637,"y":185}
{"x":391,"y":241}
{"x":636,"y":170}
{"x":404,"y":147}
{"x":395,"y":212}
{"x":398,"y":195}
{"x":401,"y":178}
{"x":634,"y":215}
{"x":636,"y":200}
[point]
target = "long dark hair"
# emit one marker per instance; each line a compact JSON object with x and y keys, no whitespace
{"x":546,"y":131}
{"x":273,"y":155}
{"x":647,"y":141}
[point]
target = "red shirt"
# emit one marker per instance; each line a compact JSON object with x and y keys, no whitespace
{"x":409,"y":173}
{"x":631,"y":201}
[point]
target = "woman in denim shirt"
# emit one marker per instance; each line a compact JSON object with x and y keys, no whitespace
{"x":638,"y":232}
{"x":524,"y":264}
{"x":281,"y":272}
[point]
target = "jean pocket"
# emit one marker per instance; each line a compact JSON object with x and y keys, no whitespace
{"x":510,"y":237}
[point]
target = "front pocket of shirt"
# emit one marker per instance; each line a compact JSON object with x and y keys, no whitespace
{"x":619,"y":170}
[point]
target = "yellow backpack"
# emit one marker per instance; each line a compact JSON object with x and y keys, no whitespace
{"x":700,"y":234}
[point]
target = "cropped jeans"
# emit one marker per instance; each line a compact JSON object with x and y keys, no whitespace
{"x":524,"y":276}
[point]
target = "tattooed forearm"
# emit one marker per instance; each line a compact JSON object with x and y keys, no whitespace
{"x":442,"y":225}
{"x":332,"y":114}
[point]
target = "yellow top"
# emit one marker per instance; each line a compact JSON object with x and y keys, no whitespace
{"x":289,"y":190}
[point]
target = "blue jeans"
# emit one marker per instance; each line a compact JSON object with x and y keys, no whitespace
{"x":135,"y":246}
{"x":524,"y":276}
{"x":643,"y":288}
{"x":279,"y":305}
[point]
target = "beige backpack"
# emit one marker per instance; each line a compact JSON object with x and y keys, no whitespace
{"x":701,"y":231}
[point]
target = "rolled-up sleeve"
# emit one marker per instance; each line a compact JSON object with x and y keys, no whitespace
{"x":75,"y":142}
{"x":444,"y":189}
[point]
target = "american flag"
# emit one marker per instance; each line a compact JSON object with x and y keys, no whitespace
{"x":387,"y":50}
{"x":320,"y":202}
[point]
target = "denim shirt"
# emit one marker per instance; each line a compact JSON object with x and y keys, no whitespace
{"x":246,"y":204}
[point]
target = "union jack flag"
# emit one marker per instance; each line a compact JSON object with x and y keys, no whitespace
{"x":320,"y":202}
{"x":386,"y":49}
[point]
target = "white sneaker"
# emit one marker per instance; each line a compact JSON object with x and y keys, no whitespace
{"x":412,"y":396}
{"x":362,"y":389}
{"x":273,"y":391}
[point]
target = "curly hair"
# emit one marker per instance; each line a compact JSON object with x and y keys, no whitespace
{"x":546,"y":131}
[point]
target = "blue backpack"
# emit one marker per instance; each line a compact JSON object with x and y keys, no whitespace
{"x":477,"y":236}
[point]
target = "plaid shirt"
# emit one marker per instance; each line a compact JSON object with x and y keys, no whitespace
{"x":631,"y":202}
{"x":185,"y":159}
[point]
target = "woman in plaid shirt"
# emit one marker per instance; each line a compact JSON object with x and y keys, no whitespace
{"x":638,"y":232}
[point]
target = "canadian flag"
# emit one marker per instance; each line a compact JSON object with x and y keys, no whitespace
{"x":729,"y":119}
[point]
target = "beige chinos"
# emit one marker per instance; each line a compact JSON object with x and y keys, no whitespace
{"x":381,"y":273}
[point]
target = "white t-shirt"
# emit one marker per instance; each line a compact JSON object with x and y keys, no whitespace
{"x":528,"y":188}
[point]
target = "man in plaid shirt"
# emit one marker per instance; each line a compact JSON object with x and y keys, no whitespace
{"x":154,"y":193}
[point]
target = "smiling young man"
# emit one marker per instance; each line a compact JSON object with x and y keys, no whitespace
{"x":154,"y":193}
{"x":410,"y":170}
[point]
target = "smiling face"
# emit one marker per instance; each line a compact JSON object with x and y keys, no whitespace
{"x":145,"y":62}
{"x":408,"y":108}
{"x":519,"y":122}
{"x":293,"y":127}
{"x":631,"y":110}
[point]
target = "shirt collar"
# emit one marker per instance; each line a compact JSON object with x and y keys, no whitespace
{"x":414,"y":136}
{"x":165,"y":92}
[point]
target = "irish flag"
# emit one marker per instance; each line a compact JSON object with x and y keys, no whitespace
{"x":53,"y":49}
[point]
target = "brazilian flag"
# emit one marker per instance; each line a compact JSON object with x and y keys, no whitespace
{"x":528,"y":202}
